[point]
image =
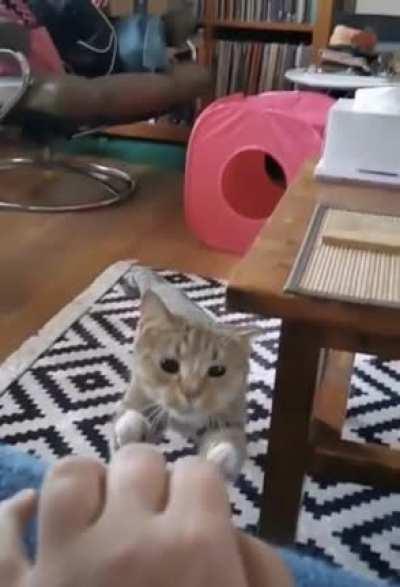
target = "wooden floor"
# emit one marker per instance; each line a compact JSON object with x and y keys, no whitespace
{"x":47,"y":259}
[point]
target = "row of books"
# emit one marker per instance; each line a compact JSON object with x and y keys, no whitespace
{"x":256,"y":10}
{"x":300,"y":11}
{"x":256,"y":67}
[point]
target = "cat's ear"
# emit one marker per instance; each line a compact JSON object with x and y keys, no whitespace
{"x":243,"y":333}
{"x":153,"y":312}
{"x":130,"y":287}
{"x":248,"y":332}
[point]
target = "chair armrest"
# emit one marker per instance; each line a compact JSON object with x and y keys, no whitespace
{"x":14,"y":36}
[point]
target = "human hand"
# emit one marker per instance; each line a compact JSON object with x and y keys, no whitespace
{"x":131,"y":524}
{"x":15,"y":513}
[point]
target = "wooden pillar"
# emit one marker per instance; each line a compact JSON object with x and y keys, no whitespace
{"x":209,"y":19}
{"x":323,"y":25}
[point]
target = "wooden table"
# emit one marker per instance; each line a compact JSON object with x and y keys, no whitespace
{"x":161,"y":131}
{"x":308,"y":327}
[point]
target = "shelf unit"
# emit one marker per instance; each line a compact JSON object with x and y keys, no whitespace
{"x":286,"y":27}
{"x":316,"y":34}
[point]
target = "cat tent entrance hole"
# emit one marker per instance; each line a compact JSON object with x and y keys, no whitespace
{"x":252,"y":183}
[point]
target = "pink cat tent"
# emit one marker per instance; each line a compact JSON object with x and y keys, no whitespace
{"x":242,"y":154}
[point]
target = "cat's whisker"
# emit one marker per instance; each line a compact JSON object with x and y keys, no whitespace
{"x":151,"y":413}
{"x":215,"y":422}
{"x":152,"y":405}
{"x":157,"y":415}
{"x":156,"y":424}
{"x":157,"y":418}
{"x":153,"y":410}
{"x":219,"y":424}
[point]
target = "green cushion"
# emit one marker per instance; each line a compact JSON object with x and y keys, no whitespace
{"x":161,"y":155}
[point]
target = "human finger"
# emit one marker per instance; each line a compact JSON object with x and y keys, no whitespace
{"x":197,"y":488}
{"x":71,"y":500}
{"x":263,"y":566}
{"x":15,"y":513}
{"x":137,"y":481}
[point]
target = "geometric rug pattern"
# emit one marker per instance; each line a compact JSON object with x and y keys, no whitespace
{"x":59,"y":399}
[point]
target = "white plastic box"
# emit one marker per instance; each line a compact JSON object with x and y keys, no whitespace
{"x":361,"y":146}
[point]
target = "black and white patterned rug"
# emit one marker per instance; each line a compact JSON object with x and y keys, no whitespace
{"x":61,"y":387}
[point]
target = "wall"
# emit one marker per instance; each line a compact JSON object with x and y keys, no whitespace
{"x":378,"y":7}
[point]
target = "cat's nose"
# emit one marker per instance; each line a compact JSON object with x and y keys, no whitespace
{"x":192,"y":393}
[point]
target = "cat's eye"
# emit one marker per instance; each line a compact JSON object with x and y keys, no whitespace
{"x":217,"y":371}
{"x":170,"y":366}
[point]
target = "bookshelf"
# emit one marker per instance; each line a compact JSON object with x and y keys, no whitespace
{"x":286,"y":27}
{"x":316,"y":34}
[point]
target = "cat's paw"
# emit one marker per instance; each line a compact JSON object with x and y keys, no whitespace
{"x":227,"y":458}
{"x":129,"y":428}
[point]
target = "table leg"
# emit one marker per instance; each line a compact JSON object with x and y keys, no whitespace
{"x":288,"y":449}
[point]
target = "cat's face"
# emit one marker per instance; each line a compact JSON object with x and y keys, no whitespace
{"x":187,"y":369}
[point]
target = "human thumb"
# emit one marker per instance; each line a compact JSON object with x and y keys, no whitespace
{"x":15,"y":513}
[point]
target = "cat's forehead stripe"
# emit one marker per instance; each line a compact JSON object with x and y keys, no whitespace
{"x":198,"y":342}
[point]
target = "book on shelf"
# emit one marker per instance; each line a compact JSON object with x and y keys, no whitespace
{"x":298,"y":11}
{"x":253,"y":68}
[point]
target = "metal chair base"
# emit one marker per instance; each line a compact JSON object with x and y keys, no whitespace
{"x":119,"y":184}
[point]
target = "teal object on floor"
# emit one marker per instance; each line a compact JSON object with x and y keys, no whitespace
{"x":19,"y":470}
{"x":159,"y":155}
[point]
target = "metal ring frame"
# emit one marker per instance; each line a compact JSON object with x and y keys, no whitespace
{"x":119,"y":184}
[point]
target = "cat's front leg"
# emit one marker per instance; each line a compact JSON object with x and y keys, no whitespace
{"x":226,"y":448}
{"x":130,"y":427}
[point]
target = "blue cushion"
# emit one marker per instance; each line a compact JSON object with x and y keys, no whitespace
{"x":21,"y":471}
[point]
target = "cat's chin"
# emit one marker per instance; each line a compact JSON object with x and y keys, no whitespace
{"x":189,"y":415}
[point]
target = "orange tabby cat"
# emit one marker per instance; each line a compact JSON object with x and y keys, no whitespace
{"x":189,"y":373}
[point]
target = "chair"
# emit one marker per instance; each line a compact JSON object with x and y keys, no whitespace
{"x":62,"y":106}
{"x":117,"y":183}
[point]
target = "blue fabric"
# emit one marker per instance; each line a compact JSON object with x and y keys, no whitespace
{"x":19,"y":471}
{"x":309,"y":572}
{"x":142,"y":43}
